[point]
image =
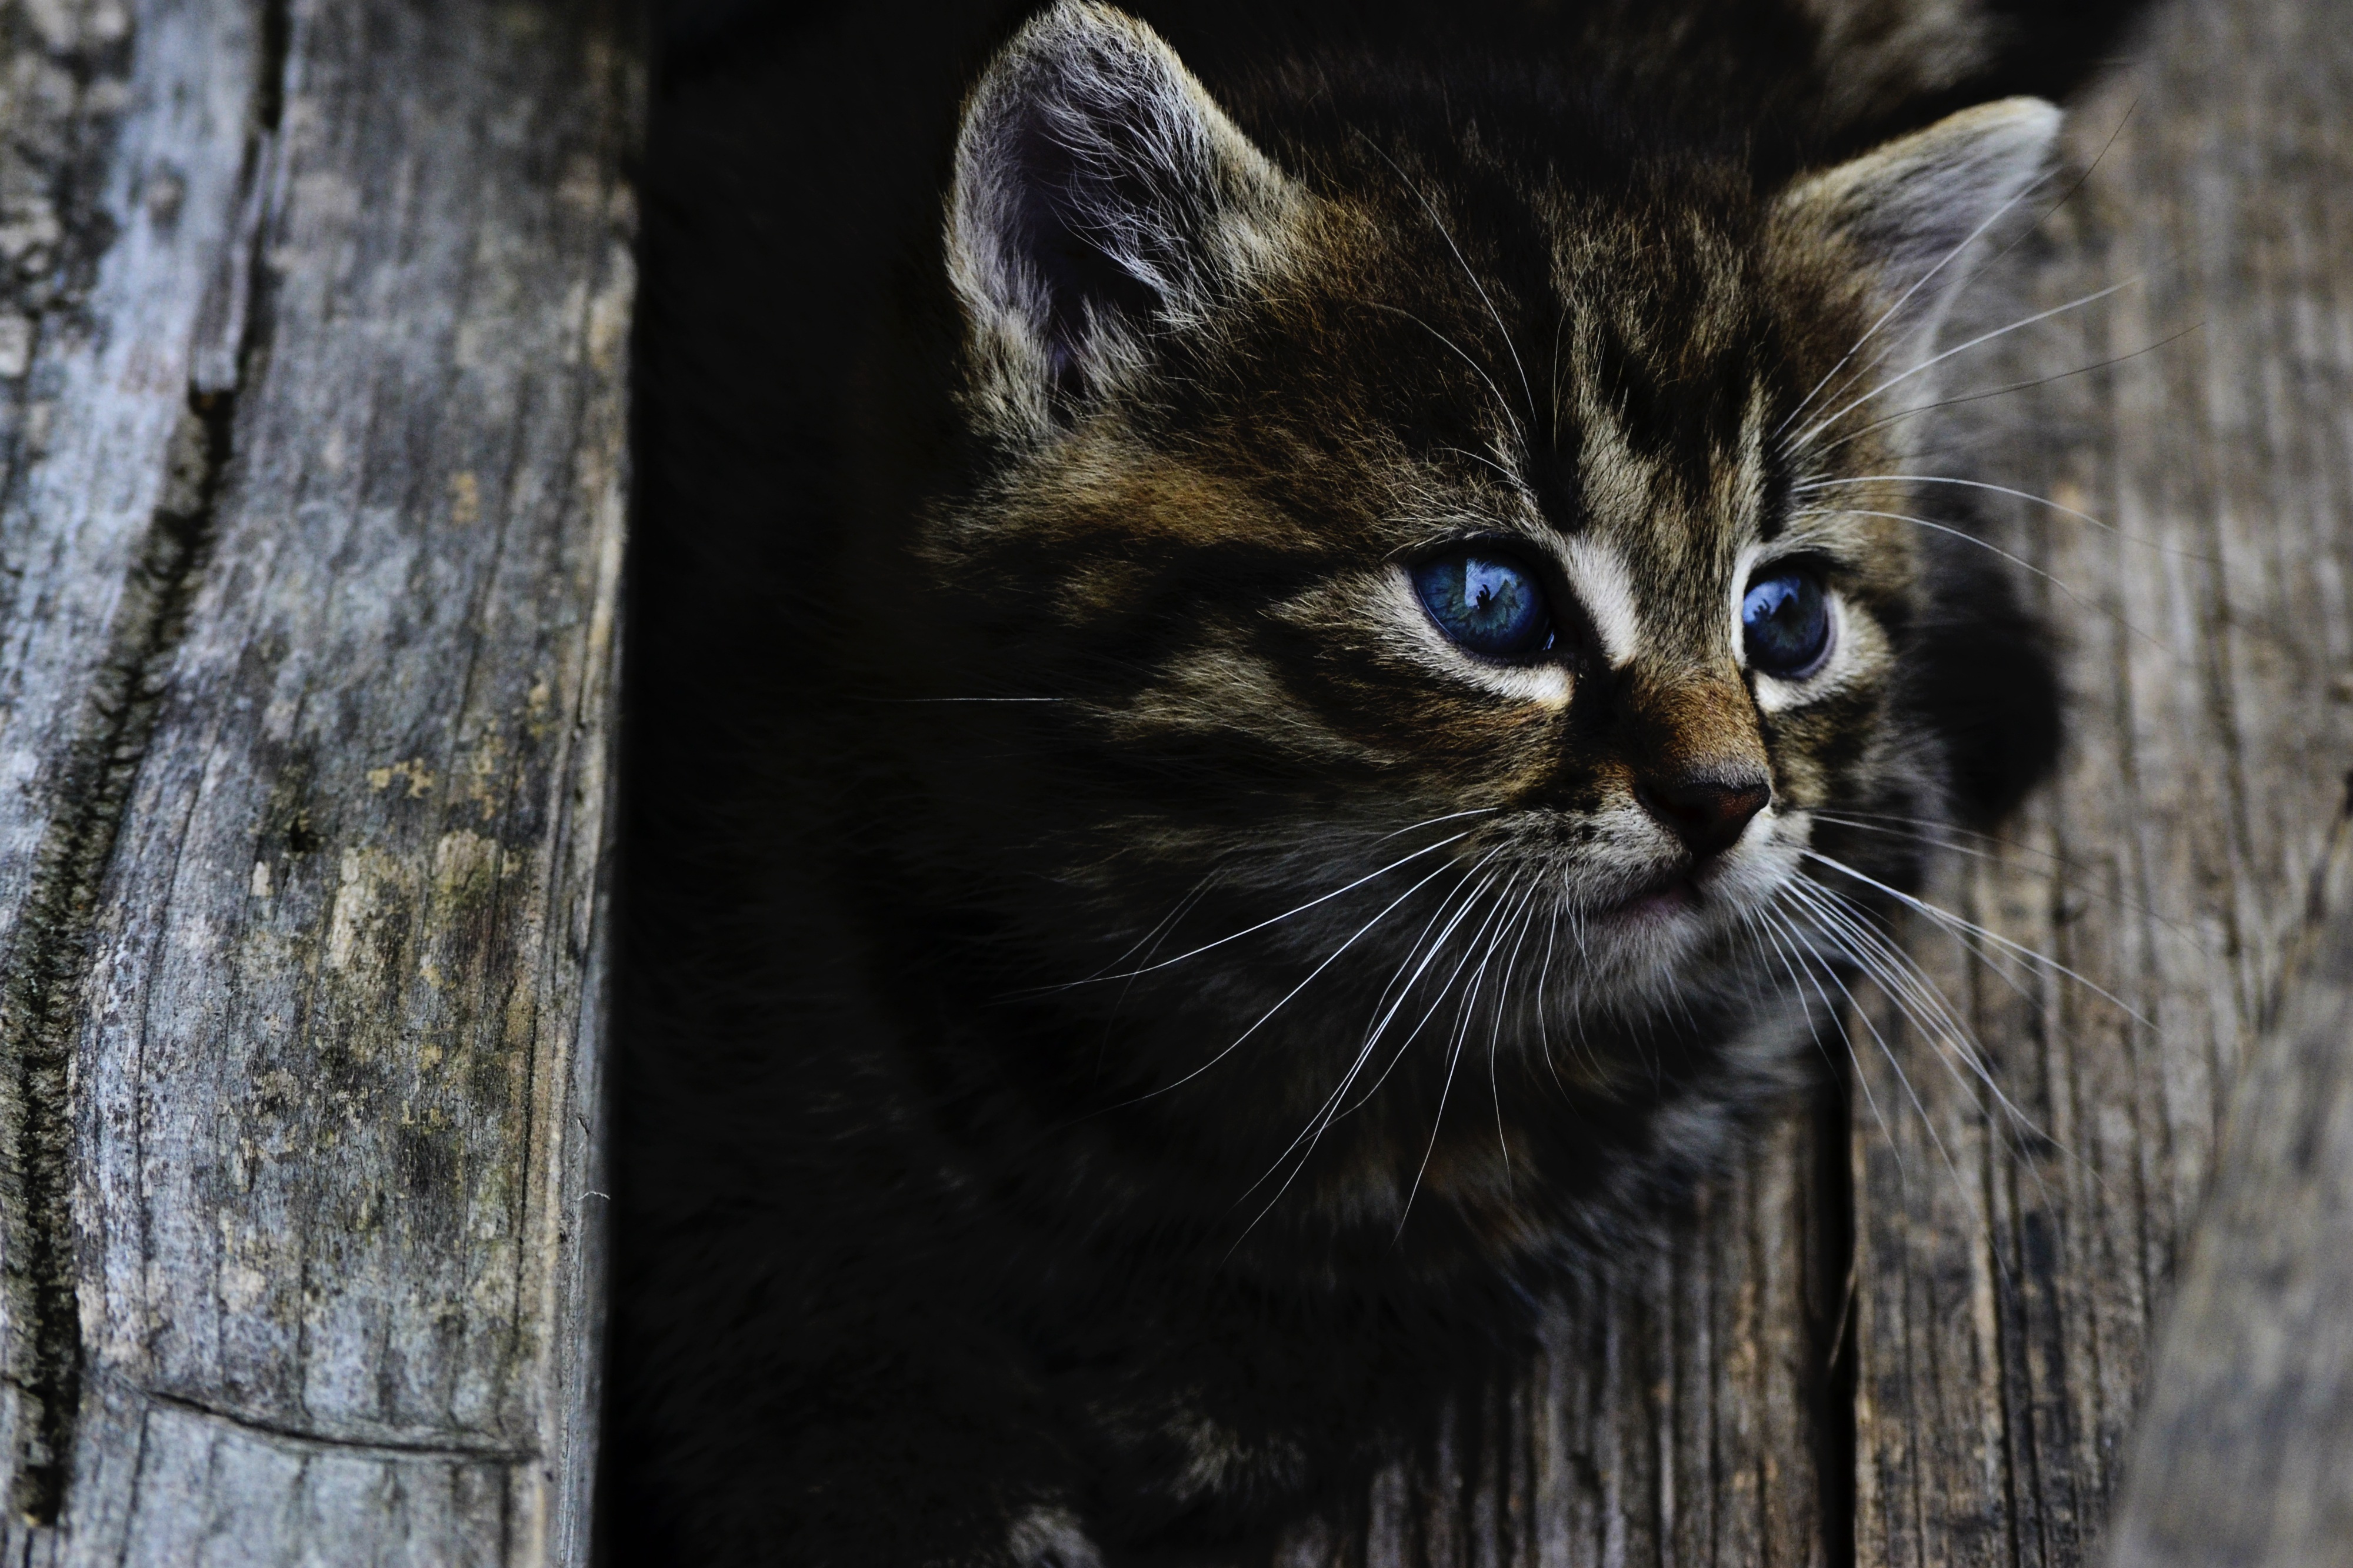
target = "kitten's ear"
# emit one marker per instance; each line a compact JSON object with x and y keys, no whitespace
{"x":1911,"y":206}
{"x":1099,"y":191}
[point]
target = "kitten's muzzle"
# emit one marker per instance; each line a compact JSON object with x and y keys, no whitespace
{"x":1708,"y":811}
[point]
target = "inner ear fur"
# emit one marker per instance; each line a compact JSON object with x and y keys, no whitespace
{"x":1908,"y":209}
{"x":1099,"y":195}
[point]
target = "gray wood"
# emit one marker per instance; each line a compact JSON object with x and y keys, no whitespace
{"x":312,"y":332}
{"x":2012,"y":1277}
{"x":2244,"y":1453}
{"x":1673,"y":1420}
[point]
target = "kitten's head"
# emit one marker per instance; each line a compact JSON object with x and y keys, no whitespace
{"x":1424,"y":570}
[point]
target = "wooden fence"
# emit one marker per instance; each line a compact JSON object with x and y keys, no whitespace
{"x":313,"y":399}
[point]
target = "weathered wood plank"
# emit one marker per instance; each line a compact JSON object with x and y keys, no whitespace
{"x":123,"y":191}
{"x":2245,"y":1452}
{"x":2011,"y":1273}
{"x":313,"y":656}
{"x":1675,"y":1420}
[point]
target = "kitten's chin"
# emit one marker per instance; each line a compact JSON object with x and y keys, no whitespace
{"x":1648,"y":937}
{"x":1632,"y":944}
{"x":1654,"y":905}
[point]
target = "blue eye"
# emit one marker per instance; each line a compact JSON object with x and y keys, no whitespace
{"x":1485,"y":604}
{"x":1786,"y":619}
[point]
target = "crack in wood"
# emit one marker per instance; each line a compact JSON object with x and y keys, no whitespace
{"x":40,"y":985}
{"x":38,"y":1015}
{"x":309,"y":1441}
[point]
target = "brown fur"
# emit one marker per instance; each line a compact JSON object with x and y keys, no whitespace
{"x":1200,"y":1007}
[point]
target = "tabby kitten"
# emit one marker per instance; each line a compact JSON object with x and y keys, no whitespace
{"x":1233,"y":774}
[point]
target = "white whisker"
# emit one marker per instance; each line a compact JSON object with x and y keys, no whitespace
{"x":1946,"y":918}
{"x":2005,"y":490}
{"x":1330,"y":958}
{"x":1320,"y":1120}
{"x":1915,"y":410}
{"x":1501,"y":404}
{"x":1464,"y":1017}
{"x":1272,"y":920}
{"x":1862,"y":1080}
{"x":1927,"y":1123}
{"x":1806,"y":438}
{"x":1460,"y":260}
{"x":1922,"y":1003}
{"x":1905,"y":297}
{"x":2022,"y":564}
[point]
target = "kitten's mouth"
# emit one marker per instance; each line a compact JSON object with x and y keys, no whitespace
{"x":1668,"y":896}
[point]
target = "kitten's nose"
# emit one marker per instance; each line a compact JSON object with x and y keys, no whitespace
{"x":1708,"y":811}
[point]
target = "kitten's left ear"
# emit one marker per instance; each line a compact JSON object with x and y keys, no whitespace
{"x":1910,"y":208}
{"x":1099,"y":194}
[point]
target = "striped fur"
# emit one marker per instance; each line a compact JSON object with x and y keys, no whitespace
{"x":1139,"y":1015}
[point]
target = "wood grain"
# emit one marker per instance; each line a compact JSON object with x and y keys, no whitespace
{"x":313,"y":527}
{"x":2245,"y":1451}
{"x":2012,"y":1275}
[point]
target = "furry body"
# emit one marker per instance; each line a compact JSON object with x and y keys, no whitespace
{"x":1091,"y":1079}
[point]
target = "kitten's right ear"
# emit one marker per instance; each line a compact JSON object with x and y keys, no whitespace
{"x":1100,"y":193}
{"x":1910,"y":207}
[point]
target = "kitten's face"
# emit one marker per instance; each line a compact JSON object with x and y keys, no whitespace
{"x":1394,"y":558}
{"x":1482,"y":557}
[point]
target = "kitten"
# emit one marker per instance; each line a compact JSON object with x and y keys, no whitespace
{"x":1239,"y":680}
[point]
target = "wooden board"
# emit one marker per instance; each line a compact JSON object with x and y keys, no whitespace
{"x":2245,"y":1448}
{"x":2011,"y":1251}
{"x":314,"y":411}
{"x":2010,"y":1298}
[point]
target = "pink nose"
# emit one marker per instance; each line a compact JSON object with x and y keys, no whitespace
{"x":1707,"y":810}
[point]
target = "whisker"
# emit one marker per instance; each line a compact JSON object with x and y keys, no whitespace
{"x":1919,"y":409}
{"x":1544,"y":976}
{"x":1321,"y":1117}
{"x":1501,"y":403}
{"x":1462,"y":1021}
{"x":1509,"y":477}
{"x":1272,"y":920}
{"x":1559,"y":327}
{"x":2020,"y":562}
{"x":1523,"y":918}
{"x":1434,"y":821}
{"x":1920,"y":830}
{"x":2006,"y":490}
{"x":1924,"y":1005}
{"x":1946,"y":918}
{"x":1792,"y":965}
{"x":1438,"y":223}
{"x":1432,"y":1011}
{"x":1806,"y":439}
{"x":1761,"y":926}
{"x":1905,"y":297}
{"x":1319,"y":1120}
{"x":1927,"y":1123}
{"x":1149,"y":942}
{"x":1330,"y":959}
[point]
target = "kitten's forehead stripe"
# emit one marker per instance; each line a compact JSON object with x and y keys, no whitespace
{"x":1606,"y":591}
